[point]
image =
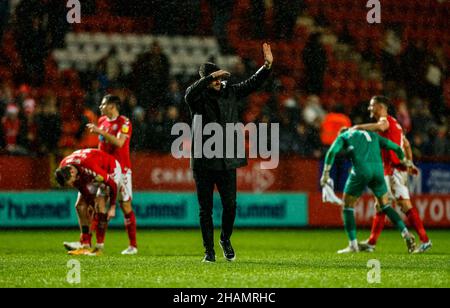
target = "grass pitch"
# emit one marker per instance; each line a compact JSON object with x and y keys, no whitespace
{"x":266,"y":258}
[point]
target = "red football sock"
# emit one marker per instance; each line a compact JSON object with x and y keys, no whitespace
{"x":94,"y":223}
{"x":377,"y":226}
{"x":416,"y":222}
{"x":101,"y":228}
{"x":130,"y":225}
{"x":86,"y":239}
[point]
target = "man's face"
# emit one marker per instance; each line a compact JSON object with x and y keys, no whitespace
{"x":73,"y":177}
{"x":374,"y":109}
{"x":106,"y":109}
{"x":216,"y":85}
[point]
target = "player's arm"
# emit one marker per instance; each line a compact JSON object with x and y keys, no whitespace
{"x":246,"y":87}
{"x":381,"y":126}
{"x":407,"y":148}
{"x":413,"y":170}
{"x":118,"y":141}
{"x":389,"y":145}
{"x":337,"y":146}
{"x":194,"y":92}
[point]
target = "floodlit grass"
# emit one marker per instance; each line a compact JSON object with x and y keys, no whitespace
{"x":265,"y":258}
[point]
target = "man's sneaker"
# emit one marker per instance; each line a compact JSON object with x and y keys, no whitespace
{"x":348,"y":250}
{"x":424,"y":247}
{"x":72,"y":245}
{"x":210,"y":257}
{"x":366,"y":247}
{"x":228,"y":251}
{"x":130,"y":251}
{"x":410,"y":243}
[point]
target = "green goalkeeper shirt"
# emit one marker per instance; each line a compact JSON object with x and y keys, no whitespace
{"x":364,"y":149}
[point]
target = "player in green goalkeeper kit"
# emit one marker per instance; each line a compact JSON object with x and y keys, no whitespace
{"x":363,"y":148}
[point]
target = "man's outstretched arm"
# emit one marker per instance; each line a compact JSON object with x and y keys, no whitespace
{"x":381,"y":126}
{"x":246,"y":87}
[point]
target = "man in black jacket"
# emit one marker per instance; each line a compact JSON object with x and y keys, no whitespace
{"x":212,"y":100}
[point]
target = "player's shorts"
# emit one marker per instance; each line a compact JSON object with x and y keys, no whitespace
{"x":118,"y":178}
{"x":356,"y":185}
{"x":127,"y":193}
{"x":397,"y":184}
{"x":93,"y":189}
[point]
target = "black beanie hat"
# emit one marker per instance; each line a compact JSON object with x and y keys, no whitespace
{"x":207,"y":69}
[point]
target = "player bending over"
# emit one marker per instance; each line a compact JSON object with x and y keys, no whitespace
{"x":364,"y":150}
{"x":114,"y":133}
{"x":93,"y":173}
{"x":395,"y":174}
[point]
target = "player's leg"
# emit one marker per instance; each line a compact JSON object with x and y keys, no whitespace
{"x":349,"y":219}
{"x":401,"y":194}
{"x":204,"y":181}
{"x":126,"y":194}
{"x":380,"y":190}
{"x":354,"y":188}
{"x":378,"y":222}
{"x":101,"y":211}
{"x":83,"y":210}
{"x":226,"y":185}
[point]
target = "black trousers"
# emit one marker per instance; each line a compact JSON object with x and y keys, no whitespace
{"x":206,"y":181}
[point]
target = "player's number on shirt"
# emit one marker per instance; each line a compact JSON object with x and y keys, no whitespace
{"x":366,"y":134}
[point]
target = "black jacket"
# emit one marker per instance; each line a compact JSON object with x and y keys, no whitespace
{"x":219,"y":107}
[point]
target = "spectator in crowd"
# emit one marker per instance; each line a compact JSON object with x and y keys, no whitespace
{"x":31,"y":40}
{"x":94,"y":96}
{"x":306,"y":141}
{"x":420,"y":145}
{"x":285,"y":15}
{"x":4,"y":17}
{"x":151,"y":77}
{"x":172,"y":117}
{"x":49,"y":125}
{"x":57,"y":25}
{"x":157,"y":132}
{"x":110,"y":71}
{"x":29,"y":126}
{"x":413,"y":66}
{"x":433,"y":87}
{"x":12,"y":127}
{"x":313,"y":111}
{"x":315,"y":61}
{"x":222,"y":13}
{"x":389,"y":57}
{"x":174,"y":96}
{"x":441,"y":144}
{"x":140,"y":130}
{"x":257,"y":19}
{"x":5,"y":97}
{"x":129,"y":104}
{"x":332,"y":124}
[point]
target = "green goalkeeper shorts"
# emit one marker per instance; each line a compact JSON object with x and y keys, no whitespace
{"x":357,"y":184}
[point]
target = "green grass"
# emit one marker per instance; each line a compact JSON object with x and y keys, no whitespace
{"x":266,"y":258}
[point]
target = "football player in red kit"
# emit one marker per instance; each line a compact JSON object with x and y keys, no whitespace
{"x":115,"y":132}
{"x":395,"y":174}
{"x":98,"y":177}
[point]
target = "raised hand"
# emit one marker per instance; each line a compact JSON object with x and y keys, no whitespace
{"x":268,"y":57}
